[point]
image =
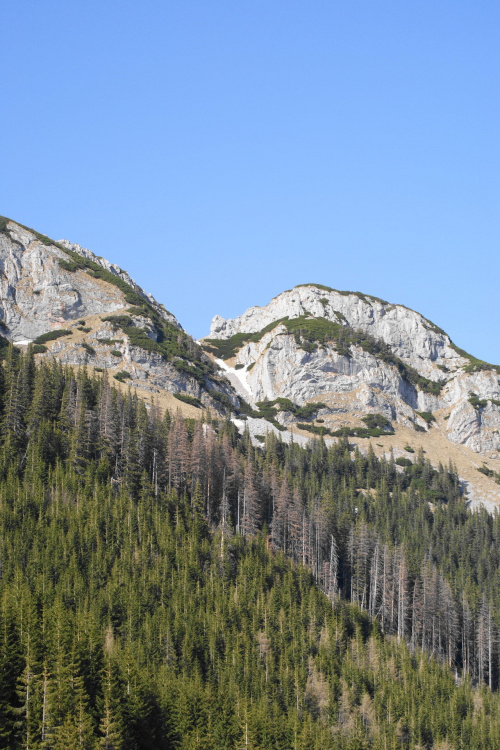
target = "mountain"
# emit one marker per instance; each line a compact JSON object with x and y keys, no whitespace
{"x":85,"y":311}
{"x":316,"y":360}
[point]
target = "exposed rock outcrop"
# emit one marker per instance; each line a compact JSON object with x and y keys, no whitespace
{"x":402,"y":365}
{"x":98,"y":317}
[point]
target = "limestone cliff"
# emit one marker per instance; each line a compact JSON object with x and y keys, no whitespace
{"x":85,"y":311}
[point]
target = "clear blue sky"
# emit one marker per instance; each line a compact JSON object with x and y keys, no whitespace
{"x":222,"y":152}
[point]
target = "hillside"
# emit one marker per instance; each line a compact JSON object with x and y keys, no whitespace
{"x":166,"y":585}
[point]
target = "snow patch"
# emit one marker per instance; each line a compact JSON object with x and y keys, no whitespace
{"x":238,"y":379}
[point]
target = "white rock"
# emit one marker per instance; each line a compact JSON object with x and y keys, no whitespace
{"x":362,"y":383}
{"x":37,"y":294}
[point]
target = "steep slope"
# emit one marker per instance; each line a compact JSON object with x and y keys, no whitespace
{"x":85,"y":311}
{"x":371,"y":368}
{"x":166,"y":614}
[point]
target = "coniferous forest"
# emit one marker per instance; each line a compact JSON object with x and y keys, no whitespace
{"x":165,"y":584}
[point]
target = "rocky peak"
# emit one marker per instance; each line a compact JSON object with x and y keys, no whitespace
{"x":119,"y":273}
{"x":356,"y":355}
{"x":409,"y":335}
{"x":85,"y":311}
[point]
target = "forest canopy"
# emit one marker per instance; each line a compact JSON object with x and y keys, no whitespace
{"x":166,"y":584}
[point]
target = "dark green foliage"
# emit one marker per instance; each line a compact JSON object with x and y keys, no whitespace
{"x":52,"y":335}
{"x":360,"y":432}
{"x":313,"y":332}
{"x":408,"y":373}
{"x":409,"y":449}
{"x":427,"y":416}
{"x":69,"y":265}
{"x":477,"y":403}
{"x":475,"y":364}
{"x":315,"y":429}
{"x":89,"y":349}
{"x":84,"y":329}
{"x":4,"y":346}
{"x":79,"y":262}
{"x":418,"y":428}
{"x":118,"y":321}
{"x":41,"y":237}
{"x":403,"y":461}
{"x":269,"y":410}
{"x":131,"y":296}
{"x":244,"y":409}
{"x":221,"y":398}
{"x":139,"y":337}
{"x":116,"y":353}
{"x":265,"y":410}
{"x":433,"y":327}
{"x":188,"y":399}
{"x":377,"y":421}
{"x":170,"y":342}
{"x":109,"y":342}
{"x":376,"y":425}
{"x":122,"y":375}
{"x":141,"y":312}
{"x":301,"y":412}
{"x":320,"y":286}
{"x":239,"y":367}
{"x":364,"y":433}
{"x":490,"y":473}
{"x":38,"y":348}
{"x":227,"y":348}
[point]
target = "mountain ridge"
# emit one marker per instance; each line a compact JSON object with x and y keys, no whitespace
{"x":85,"y":311}
{"x":321,"y":341}
{"x":313,"y":361}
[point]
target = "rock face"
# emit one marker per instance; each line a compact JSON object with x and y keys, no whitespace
{"x":402,"y":365}
{"x":37,"y":294}
{"x":107,"y":320}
